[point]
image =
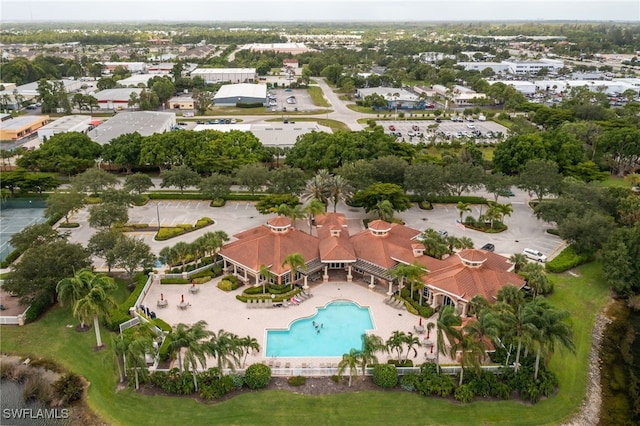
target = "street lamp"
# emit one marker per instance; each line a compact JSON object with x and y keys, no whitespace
{"x":158,"y":213}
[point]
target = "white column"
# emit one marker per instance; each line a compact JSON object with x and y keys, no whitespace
{"x":325,"y":277}
{"x":306,"y":283}
{"x":349,"y":276}
{"x":372,"y":282}
{"x":390,"y":292}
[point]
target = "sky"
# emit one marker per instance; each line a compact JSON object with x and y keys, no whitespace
{"x":317,"y":10}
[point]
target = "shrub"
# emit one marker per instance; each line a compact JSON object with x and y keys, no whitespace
{"x":162,"y":325}
{"x":385,"y":375}
{"x":567,"y":259}
{"x":69,"y":225}
{"x":175,"y":281}
{"x":225,"y":285}
{"x":252,"y":290}
{"x":37,"y":307}
{"x":257,"y":376}
{"x":208,"y":273}
{"x":68,"y":388}
{"x":297,"y":380}
{"x":408,"y":382}
{"x":163,"y":352}
{"x":336,"y":378}
{"x":121,"y":314}
{"x":463,"y":394}
{"x":218,"y":202}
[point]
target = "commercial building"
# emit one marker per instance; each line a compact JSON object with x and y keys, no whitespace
{"x":270,"y":134}
{"x":29,"y":91}
{"x":231,"y":94}
{"x":146,"y":123}
{"x":533,"y":67}
{"x":292,"y":48}
{"x":136,"y":80}
{"x":395,"y":97}
{"x":116,"y":99}
{"x":68,"y":123}
{"x":129,"y":66}
{"x":527,"y":88}
{"x":220,"y":75}
{"x":369,"y":255}
{"x":496,"y":67}
{"x":181,"y":102}
{"x":21,"y":127}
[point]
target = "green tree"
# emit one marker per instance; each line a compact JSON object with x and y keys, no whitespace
{"x":226,"y":348}
{"x":138,"y":183}
{"x":124,"y":151}
{"x":64,"y":204}
{"x":96,"y":303}
{"x":102,"y":243}
{"x":384,"y":210}
{"x":252,"y":176}
{"x":349,"y":361}
{"x":498,"y":184}
{"x":471,"y":349}
{"x":540,"y":177}
{"x":371,"y":344}
{"x":131,"y":350}
{"x":248,"y":344}
{"x":295,"y":261}
{"x":318,"y":187}
{"x":313,"y":208}
{"x":132,"y":254}
{"x":180,"y":177}
{"x":620,"y":265}
{"x":72,"y":289}
{"x":446,"y":327}
{"x":459,"y":177}
{"x":587,"y":233}
{"x":192,"y":341}
{"x":424,"y":180}
{"x":371,"y":196}
{"x":105,"y":215}
{"x":339,"y":190}
{"x":396,"y":342}
{"x":34,"y":236}
{"x":411,"y":273}
{"x":216,"y":186}
{"x":286,"y":180}
{"x":463,"y":208}
{"x":68,"y":152}
{"x":94,"y":181}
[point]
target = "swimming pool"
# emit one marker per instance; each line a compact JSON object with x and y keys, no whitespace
{"x":340,"y":326}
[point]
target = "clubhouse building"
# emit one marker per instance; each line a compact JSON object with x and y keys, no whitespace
{"x":370,"y":256}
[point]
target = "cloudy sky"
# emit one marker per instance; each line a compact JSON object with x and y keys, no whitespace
{"x":317,"y":10}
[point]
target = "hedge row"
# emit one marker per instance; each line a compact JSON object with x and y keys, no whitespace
{"x":175,"y":281}
{"x":567,"y":259}
{"x":121,"y":313}
{"x":238,"y":196}
{"x":165,"y":233}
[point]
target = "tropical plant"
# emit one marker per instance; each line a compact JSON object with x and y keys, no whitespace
{"x":72,"y":289}
{"x":339,"y":190}
{"x":248,"y":344}
{"x":132,"y":348}
{"x":314,"y":207}
{"x":463,"y":208}
{"x":295,"y":262}
{"x":518,"y":260}
{"x":225,"y":348}
{"x":396,"y":342}
{"x":191,"y":339}
{"x":384,"y":210}
{"x":349,"y":361}
{"x":446,"y":323}
{"x":371,"y":344}
{"x":96,"y":303}
{"x":411,"y":273}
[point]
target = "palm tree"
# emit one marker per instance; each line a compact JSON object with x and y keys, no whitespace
{"x":314,"y":207}
{"x":318,"y":187}
{"x":396,"y":342}
{"x":189,"y":338}
{"x":339,"y":190}
{"x":350,"y":361}
{"x":248,"y":344}
{"x":462,"y":208}
{"x":537,"y":278}
{"x":518,"y":260}
{"x":411,"y":273}
{"x":504,"y":210}
{"x":447,"y":320}
{"x":430,"y":326}
{"x":551,"y":328}
{"x":182,"y":252}
{"x":132,"y":347}
{"x":370,"y":345}
{"x":492,"y":213}
{"x":168,"y":256}
{"x":384,"y":210}
{"x":226,"y":348}
{"x":213,"y":241}
{"x":294,"y":213}
{"x":295,"y":262}
{"x":412,"y":342}
{"x":265,"y":273}
{"x":471,"y":349}
{"x":72,"y":289}
{"x":96,"y":303}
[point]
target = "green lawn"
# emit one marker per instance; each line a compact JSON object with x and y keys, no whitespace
{"x":583,"y":296}
{"x":317,"y":96}
{"x":333,"y":124}
{"x":613,"y":182}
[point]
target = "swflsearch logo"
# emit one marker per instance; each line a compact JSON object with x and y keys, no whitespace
{"x":35,"y":413}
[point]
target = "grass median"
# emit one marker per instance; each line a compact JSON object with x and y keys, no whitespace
{"x":584,"y":296}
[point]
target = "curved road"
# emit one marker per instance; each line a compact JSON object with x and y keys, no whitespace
{"x":340,"y":110}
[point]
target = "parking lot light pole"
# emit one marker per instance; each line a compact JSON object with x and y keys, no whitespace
{"x":158,"y":213}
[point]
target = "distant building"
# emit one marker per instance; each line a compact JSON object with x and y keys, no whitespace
{"x":395,"y":97}
{"x":181,"y":102}
{"x":496,"y":67}
{"x":231,"y":94}
{"x":116,"y":99}
{"x":271,"y":134}
{"x":221,"y":75}
{"x":146,"y":123}
{"x":129,"y":66}
{"x":533,"y":67}
{"x":292,"y":48}
{"x":136,"y":80}
{"x":68,"y":123}
{"x":527,"y":88}
{"x":21,"y":127}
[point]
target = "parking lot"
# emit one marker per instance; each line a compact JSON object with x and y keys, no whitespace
{"x":302,"y":100}
{"x":446,"y":130}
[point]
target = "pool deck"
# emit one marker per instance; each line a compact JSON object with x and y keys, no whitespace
{"x":222,"y":311}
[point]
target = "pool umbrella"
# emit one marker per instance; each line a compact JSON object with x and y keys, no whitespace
{"x":420,"y":323}
{"x":161,"y":296}
{"x":183,"y":298}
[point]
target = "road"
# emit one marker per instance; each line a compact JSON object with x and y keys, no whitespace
{"x":340,"y":110}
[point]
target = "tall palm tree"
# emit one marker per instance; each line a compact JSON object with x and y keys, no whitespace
{"x":72,"y":289}
{"x":537,"y":278}
{"x":295,"y":262}
{"x":551,"y":328}
{"x":384,"y":210}
{"x":182,"y":252}
{"x":517,"y":325}
{"x":339,"y":190}
{"x":248,"y":344}
{"x":188,"y":338}
{"x":225,"y":347}
{"x":265,"y":273}
{"x":412,"y":342}
{"x":504,"y":210}
{"x":318,"y":187}
{"x":492,"y":213}
{"x":396,"y":342}
{"x":349,"y":361}
{"x":294,"y":213}
{"x":314,"y":207}
{"x":463,"y":208}
{"x":447,"y":320}
{"x":371,"y":344}
{"x":411,"y":273}
{"x":518,"y":260}
{"x":168,"y":256}
{"x":96,"y":303}
{"x":134,"y":345}
{"x":471,"y":349}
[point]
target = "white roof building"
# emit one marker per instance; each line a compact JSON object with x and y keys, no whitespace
{"x":524,"y":87}
{"x":219,"y":75}
{"x":497,"y":67}
{"x":270,"y":134}
{"x":144,"y":122}
{"x":136,"y":79}
{"x":115,"y":98}
{"x":231,"y":94}
{"x":68,"y":123}
{"x":532,"y":67}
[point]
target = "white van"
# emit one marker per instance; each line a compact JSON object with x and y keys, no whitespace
{"x":534,"y":254}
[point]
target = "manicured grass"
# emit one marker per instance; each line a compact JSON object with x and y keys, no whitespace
{"x":613,"y":182}
{"x":333,"y":124}
{"x":317,"y":96}
{"x":583,"y":296}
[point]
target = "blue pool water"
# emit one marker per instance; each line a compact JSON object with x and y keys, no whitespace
{"x":341,"y":325}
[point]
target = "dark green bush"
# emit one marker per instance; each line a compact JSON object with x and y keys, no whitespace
{"x":162,"y":325}
{"x":408,"y":382}
{"x":69,"y":225}
{"x":68,"y":388}
{"x":175,"y":281}
{"x":164,"y":353}
{"x":401,"y":363}
{"x":567,"y":259}
{"x":257,"y":376}
{"x":249,"y":105}
{"x":203,"y":274}
{"x":121,"y":313}
{"x":252,"y":290}
{"x":453,"y":199}
{"x":218,"y":202}
{"x":385,"y":375}
{"x":37,"y":307}
{"x":297,"y":380}
{"x":463,"y":394}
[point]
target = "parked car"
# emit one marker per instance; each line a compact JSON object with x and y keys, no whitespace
{"x":415,"y":127}
{"x":392,"y":128}
{"x":411,"y":133}
{"x":488,"y":247}
{"x":233,"y":121}
{"x":471,"y":126}
{"x":534,"y":255}
{"x":443,"y":233}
